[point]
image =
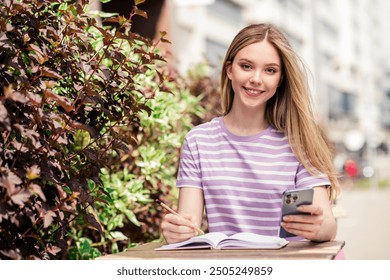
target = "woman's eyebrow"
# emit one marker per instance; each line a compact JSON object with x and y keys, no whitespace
{"x":244,"y":60}
{"x":274,"y":64}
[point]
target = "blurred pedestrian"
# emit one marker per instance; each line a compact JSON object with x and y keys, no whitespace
{"x":351,"y":168}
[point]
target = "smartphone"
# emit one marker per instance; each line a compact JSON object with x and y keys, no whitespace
{"x":292,"y":199}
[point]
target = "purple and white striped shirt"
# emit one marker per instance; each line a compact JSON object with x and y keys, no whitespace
{"x":242,"y":177}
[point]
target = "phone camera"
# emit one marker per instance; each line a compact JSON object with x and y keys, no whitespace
{"x":288,"y":199}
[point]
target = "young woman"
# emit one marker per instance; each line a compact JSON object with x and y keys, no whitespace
{"x":267,"y":141}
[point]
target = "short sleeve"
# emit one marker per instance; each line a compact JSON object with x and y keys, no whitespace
{"x":189,"y":174}
{"x":304,"y":179}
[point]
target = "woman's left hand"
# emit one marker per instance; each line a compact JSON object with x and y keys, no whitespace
{"x":319,"y":225}
{"x":307,"y":226}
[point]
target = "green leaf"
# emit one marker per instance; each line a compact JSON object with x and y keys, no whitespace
{"x":102,"y":14}
{"x":117,"y":235}
{"x":131,"y":216}
{"x":95,"y":253}
{"x":114,"y":248}
{"x":84,"y":246}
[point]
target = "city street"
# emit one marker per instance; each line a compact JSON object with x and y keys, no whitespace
{"x":365,"y":224}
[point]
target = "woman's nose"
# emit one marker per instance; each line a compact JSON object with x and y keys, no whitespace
{"x":256,"y":78}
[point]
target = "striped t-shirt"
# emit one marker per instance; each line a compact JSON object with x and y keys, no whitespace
{"x":242,"y":177}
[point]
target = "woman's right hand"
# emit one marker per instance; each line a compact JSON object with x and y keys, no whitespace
{"x":178,"y":228}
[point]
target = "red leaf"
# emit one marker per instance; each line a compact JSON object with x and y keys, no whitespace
{"x":48,"y":218}
{"x":13,"y":254}
{"x":19,"y":146}
{"x":34,"y":188}
{"x":35,"y":99}
{"x":9,"y":182}
{"x":4,"y":117}
{"x":63,"y":195}
{"x":50,"y":73}
{"x":162,"y":35}
{"x":61,"y":100}
{"x":38,"y":54}
{"x":53,"y":249}
{"x":93,"y":221}
{"x":92,"y":132}
{"x":4,"y":42}
{"x":62,"y":140}
{"x":14,"y":95}
{"x":165,"y":41}
{"x":139,"y":12}
{"x":117,"y":19}
{"x":20,"y":197}
{"x":14,"y":179}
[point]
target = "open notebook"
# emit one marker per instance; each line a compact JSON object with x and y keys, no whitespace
{"x":218,"y":240}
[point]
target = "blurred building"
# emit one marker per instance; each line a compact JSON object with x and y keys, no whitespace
{"x":384,"y":8}
{"x":341,"y":42}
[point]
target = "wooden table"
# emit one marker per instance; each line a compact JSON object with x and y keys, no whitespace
{"x":297,"y":250}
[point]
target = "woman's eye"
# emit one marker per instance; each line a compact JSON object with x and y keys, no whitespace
{"x":271,"y":70}
{"x":245,"y":66}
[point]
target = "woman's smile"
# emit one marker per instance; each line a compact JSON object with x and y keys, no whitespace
{"x":253,"y":92}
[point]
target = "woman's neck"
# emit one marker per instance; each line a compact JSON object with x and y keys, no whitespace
{"x":245,"y":123}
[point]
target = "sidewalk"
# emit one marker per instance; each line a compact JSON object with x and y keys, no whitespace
{"x":366,"y":224}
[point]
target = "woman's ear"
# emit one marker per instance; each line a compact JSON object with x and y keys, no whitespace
{"x":228,"y":69}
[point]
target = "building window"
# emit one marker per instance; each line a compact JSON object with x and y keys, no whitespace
{"x":295,"y":7}
{"x":295,"y":41}
{"x":341,"y":104}
{"x":328,"y":29}
{"x":325,"y":60}
{"x":348,"y":103}
{"x":215,"y":53}
{"x":227,"y":11}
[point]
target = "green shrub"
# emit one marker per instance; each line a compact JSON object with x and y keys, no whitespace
{"x":147,"y":173}
{"x":71,"y":93}
{"x":204,"y":85}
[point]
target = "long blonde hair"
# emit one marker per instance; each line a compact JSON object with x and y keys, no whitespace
{"x":290,"y":109}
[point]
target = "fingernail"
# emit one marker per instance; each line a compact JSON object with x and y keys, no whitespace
{"x":286,"y":218}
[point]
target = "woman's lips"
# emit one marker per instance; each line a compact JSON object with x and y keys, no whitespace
{"x":253,"y":92}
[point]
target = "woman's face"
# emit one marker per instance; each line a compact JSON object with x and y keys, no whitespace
{"x":255,"y":75}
